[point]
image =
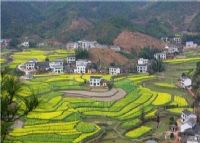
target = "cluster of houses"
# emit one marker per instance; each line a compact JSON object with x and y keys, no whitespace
{"x":143,"y":64}
{"x":86,"y":45}
{"x":187,"y":128}
{"x":67,"y":65}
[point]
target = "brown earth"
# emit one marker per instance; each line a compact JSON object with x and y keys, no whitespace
{"x":109,"y":95}
{"x":135,"y":40}
{"x":107,"y":56}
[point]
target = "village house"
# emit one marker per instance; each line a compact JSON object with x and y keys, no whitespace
{"x":115,"y":48}
{"x":177,"y":40}
{"x":42,"y":66}
{"x":72,"y":45}
{"x":193,"y":139}
{"x":71,"y":59}
{"x":189,"y":130}
{"x":161,"y":55}
{"x":142,"y":66}
{"x":142,"y":61}
{"x":185,"y":82}
{"x":190,"y":44}
{"x":188,"y":120}
{"x":4,"y":42}
{"x":81,"y":66}
{"x":25,"y":44}
{"x":114,"y":70}
{"x":57,"y":66}
{"x":165,"y":39}
{"x":86,"y":44}
{"x":172,"y":49}
{"x":96,"y":81}
{"x":30,"y":65}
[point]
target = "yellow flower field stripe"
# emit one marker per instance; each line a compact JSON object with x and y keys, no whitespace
{"x":44,"y":115}
{"x":176,"y":61}
{"x":162,"y":99}
{"x":180,"y":101}
{"x":179,"y":110}
{"x":167,"y":85}
{"x":85,"y":135}
{"x":138,"y":132}
{"x":58,"y":128}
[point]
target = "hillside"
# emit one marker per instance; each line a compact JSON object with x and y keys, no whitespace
{"x":107,"y":56}
{"x":101,"y":21}
{"x":135,"y":41}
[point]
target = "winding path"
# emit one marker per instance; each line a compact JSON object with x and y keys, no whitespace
{"x":110,"y":95}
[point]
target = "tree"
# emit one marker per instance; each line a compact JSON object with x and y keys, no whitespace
{"x":31,"y":103}
{"x":32,"y":44}
{"x":81,"y":54}
{"x":13,"y":43}
{"x":148,"y":53}
{"x":142,"y":115}
{"x":156,"y":66}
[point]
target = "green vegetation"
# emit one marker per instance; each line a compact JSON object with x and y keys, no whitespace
{"x":148,"y":52}
{"x":136,"y":133}
{"x":73,"y":120}
{"x":81,"y":54}
{"x":40,"y":55}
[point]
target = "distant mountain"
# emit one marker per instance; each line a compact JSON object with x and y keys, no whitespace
{"x":101,"y":21}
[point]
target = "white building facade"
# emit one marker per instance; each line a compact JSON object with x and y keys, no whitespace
{"x":142,"y":68}
{"x":142,"y":61}
{"x":190,"y":44}
{"x":30,"y":65}
{"x":114,"y":70}
{"x":161,"y":55}
{"x":57,"y":66}
{"x":95,"y":81}
{"x":71,"y":59}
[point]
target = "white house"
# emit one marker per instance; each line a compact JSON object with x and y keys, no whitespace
{"x":87,"y":44}
{"x":72,"y":45}
{"x":194,"y":139}
{"x":142,"y":61}
{"x":161,"y":55}
{"x":188,"y":120}
{"x":115,"y":48}
{"x":71,"y":58}
{"x":171,"y":49}
{"x":25,"y":44}
{"x":114,"y":70}
{"x":30,"y":65}
{"x":95,"y":80}
{"x":57,"y":66}
{"x":177,"y":40}
{"x":190,"y":44}
{"x":186,"y":82}
{"x":81,"y":66}
{"x":142,"y":68}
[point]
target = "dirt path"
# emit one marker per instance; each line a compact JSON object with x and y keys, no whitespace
{"x":111,"y":95}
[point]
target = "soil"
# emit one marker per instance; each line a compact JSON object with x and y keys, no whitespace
{"x":135,"y":41}
{"x":110,"y":95}
{"x":107,"y":56}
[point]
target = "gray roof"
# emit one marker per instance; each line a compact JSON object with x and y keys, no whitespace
{"x":186,"y":112}
{"x":42,"y":64}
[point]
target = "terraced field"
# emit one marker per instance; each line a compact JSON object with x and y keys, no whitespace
{"x":62,"y":119}
{"x":40,"y":55}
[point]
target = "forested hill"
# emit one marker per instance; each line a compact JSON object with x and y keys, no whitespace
{"x":102,"y":21}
